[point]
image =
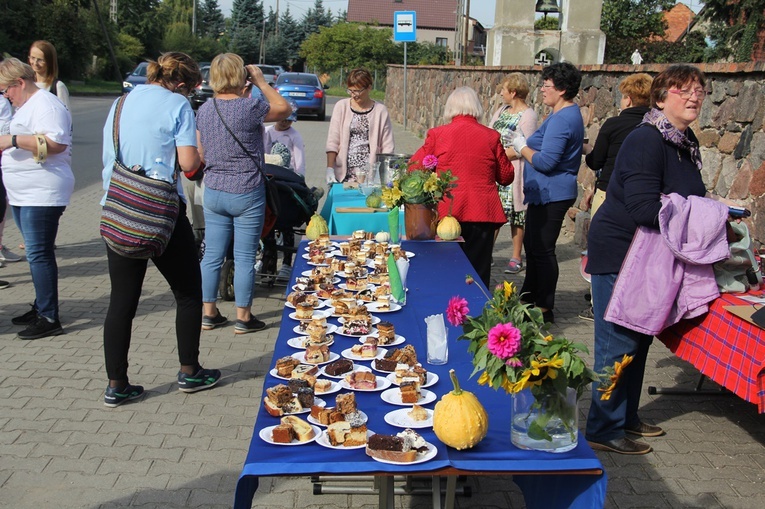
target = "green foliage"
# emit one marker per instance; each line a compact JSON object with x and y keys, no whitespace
{"x":547,"y":23}
{"x":210,"y":20}
{"x":630,"y":22}
{"x":178,"y":37}
{"x":348,"y":45}
{"x":143,"y":19}
{"x":424,"y":53}
{"x":733,"y":27}
{"x":315,"y":18}
{"x":245,"y":42}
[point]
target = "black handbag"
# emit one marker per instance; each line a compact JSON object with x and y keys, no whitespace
{"x":273,"y":203}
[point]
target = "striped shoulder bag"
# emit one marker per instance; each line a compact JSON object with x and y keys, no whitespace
{"x":139,"y":214}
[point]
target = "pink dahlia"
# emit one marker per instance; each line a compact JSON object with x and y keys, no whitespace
{"x":504,"y":340}
{"x":456,"y":311}
{"x":430,"y":162}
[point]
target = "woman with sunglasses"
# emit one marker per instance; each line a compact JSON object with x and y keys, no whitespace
{"x":156,"y":128}
{"x":44,"y":61}
{"x":38,"y":178}
{"x":359,"y":130}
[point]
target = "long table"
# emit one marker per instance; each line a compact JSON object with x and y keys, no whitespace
{"x":723,"y":347}
{"x":345,"y":223}
{"x":437,"y":272}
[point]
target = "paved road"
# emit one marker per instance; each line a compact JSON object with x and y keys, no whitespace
{"x":61,"y":448}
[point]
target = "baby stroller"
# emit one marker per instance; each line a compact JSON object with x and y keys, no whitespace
{"x":297,"y":204}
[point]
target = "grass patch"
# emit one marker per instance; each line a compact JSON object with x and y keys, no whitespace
{"x":94,"y":87}
{"x":377,"y":95}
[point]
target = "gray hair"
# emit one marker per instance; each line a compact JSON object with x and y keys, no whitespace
{"x":463,"y":101}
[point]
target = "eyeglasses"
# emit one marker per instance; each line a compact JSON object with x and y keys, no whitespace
{"x":35,"y":60}
{"x":355,"y":92}
{"x":686,"y":94}
{"x":546,"y":86}
{"x":3,"y":92}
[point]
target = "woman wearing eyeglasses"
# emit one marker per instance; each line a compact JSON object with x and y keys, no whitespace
{"x":359,"y":130}
{"x":156,"y":128}
{"x":659,"y":157}
{"x":44,"y":61}
{"x":38,"y":178}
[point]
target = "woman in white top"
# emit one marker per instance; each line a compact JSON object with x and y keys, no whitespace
{"x":43,"y":59}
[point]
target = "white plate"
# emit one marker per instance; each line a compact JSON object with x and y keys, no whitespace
{"x":355,"y":368}
{"x":421,"y":458}
{"x":341,"y":332}
{"x":400,"y":419}
{"x":372,"y":307}
{"x":323,"y":440}
{"x":314,"y":421}
{"x":344,"y":286}
{"x":375,"y":321}
{"x":335,"y":387}
{"x":382,"y":383}
{"x":399,"y":338}
{"x":342,"y":273}
{"x":265,"y":435}
{"x":327,"y":254}
{"x":393,"y":396}
{"x":316,"y":314}
{"x":331,"y":328}
{"x":275,"y":374}
{"x":319,"y":304}
{"x":307,"y":273}
{"x":301,"y":357}
{"x":333,"y":246}
{"x":297,"y":342}
{"x":432,"y":378}
{"x":348,"y":354}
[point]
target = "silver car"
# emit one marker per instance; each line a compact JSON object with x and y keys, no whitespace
{"x":269,"y":73}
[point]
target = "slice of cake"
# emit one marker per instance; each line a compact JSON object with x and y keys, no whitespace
{"x":316,"y":354}
{"x":337,"y":431}
{"x":283,"y":434}
{"x":321,"y":386}
{"x":338,"y":367}
{"x":304,"y":311}
{"x":417,"y":413}
{"x":285,"y":365}
{"x":410,"y":390}
{"x":386,"y":333}
{"x":369,"y":347}
{"x":303,"y":431}
{"x":346,"y":403}
{"x":363,"y":380}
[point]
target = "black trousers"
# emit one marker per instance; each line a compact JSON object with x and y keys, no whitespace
{"x":543,"y":225}
{"x":179,"y":265}
{"x":478,"y":247}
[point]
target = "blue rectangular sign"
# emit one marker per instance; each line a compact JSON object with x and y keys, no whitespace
{"x":405,"y":26}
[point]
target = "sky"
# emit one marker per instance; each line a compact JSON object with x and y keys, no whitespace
{"x":482,"y":10}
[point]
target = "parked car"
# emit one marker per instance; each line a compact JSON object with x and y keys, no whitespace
{"x":203,"y":91}
{"x":269,"y":73}
{"x":279,"y":70}
{"x":137,"y":77}
{"x":306,"y":90}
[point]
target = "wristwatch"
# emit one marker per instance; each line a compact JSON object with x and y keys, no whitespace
{"x":13,"y":142}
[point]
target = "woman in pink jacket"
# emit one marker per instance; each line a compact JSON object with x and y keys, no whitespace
{"x":360,"y":129}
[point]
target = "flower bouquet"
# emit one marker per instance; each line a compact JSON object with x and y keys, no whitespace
{"x":513,"y":350}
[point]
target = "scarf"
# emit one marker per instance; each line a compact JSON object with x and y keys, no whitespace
{"x":672,"y":134}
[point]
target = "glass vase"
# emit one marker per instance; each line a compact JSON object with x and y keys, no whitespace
{"x":420,"y":221}
{"x":546,"y":422}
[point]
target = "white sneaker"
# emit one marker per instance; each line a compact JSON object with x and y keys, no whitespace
{"x":9,"y":256}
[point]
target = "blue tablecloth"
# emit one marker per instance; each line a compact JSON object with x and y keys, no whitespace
{"x":436,"y":273}
{"x":345,"y":223}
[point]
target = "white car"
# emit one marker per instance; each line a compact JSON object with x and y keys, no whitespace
{"x":269,"y":73}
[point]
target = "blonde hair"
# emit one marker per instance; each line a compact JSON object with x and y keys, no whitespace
{"x":227,"y":73}
{"x":462,"y":101}
{"x":12,"y":69}
{"x":517,"y":82}
{"x":172,"y":68}
{"x":51,"y":61}
{"x":638,"y":88}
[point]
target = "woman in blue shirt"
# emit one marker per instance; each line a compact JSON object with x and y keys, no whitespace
{"x":553,"y":154}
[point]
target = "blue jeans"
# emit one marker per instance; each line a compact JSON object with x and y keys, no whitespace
{"x":607,"y":419}
{"x":239,"y":216}
{"x":38,"y":227}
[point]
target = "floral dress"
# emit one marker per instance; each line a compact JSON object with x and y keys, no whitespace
{"x":358,"y":145}
{"x":507,"y":122}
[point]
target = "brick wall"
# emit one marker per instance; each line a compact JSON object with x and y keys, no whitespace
{"x":730,"y":127}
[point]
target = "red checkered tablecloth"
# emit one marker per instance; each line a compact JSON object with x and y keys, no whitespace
{"x":723,"y":347}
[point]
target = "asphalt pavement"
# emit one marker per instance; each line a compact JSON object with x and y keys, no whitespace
{"x":61,"y":448}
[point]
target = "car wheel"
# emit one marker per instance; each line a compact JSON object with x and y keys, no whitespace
{"x":322,"y":115}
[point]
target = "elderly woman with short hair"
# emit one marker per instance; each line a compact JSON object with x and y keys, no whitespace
{"x":235,"y":195}
{"x":38,"y":179}
{"x":474,"y":154}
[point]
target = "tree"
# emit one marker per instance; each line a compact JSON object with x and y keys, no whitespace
{"x":426,"y":53}
{"x":547,"y":23}
{"x":734,"y":27}
{"x":315,"y":18}
{"x":246,"y":26}
{"x":210,"y":20}
{"x":627,"y":23}
{"x":289,"y":31}
{"x":349,"y":45}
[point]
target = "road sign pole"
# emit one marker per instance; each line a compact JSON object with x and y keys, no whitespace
{"x":405,"y":86}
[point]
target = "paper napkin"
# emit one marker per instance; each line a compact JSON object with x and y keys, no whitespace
{"x":438,"y":348}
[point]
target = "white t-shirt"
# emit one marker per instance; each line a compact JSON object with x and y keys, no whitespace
{"x":47,"y":184}
{"x":292,"y":140}
{"x":61,"y":91}
{"x":5,"y":110}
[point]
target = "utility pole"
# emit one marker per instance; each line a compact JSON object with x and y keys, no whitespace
{"x":113,"y":11}
{"x":194,"y":18}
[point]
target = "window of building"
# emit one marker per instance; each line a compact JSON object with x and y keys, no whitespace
{"x":441,"y":41}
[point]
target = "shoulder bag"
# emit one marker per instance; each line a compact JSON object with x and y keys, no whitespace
{"x":139,"y":214}
{"x":272,"y":193}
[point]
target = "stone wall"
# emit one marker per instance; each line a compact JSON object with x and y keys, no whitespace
{"x":730,"y":128}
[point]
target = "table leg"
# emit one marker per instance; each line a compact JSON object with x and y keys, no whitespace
{"x":451,"y":491}
{"x":435,"y":486}
{"x":385,"y":491}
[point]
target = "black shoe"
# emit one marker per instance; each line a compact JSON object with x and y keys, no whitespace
{"x":201,"y":380}
{"x":548,"y":316}
{"x":4,"y":284}
{"x":645,"y":430}
{"x":210,"y":322}
{"x":27,"y":318}
{"x":252,"y":325}
{"x":41,"y":328}
{"x":622,"y":445}
{"x":114,"y":396}
{"x":588,"y":315}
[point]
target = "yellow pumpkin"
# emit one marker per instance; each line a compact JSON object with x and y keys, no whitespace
{"x":448,"y":228}
{"x":316,"y":226}
{"x":459,"y":419}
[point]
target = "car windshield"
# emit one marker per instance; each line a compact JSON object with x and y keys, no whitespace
{"x":298,"y":79}
{"x":141,"y":69}
{"x":205,"y":74}
{"x":267,"y":70}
